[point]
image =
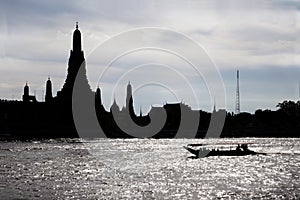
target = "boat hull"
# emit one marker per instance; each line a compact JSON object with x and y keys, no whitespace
{"x":199,"y":153}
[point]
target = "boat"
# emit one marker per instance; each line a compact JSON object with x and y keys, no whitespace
{"x":206,"y":150}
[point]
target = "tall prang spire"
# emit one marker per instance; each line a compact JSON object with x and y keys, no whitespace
{"x":48,"y":96}
{"x":77,"y":39}
{"x":76,"y":62}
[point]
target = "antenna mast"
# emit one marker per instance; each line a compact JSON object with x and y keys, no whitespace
{"x":237,"y":103}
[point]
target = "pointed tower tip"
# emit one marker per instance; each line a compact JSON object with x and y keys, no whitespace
{"x":141,"y":113}
{"x":76,"y":25}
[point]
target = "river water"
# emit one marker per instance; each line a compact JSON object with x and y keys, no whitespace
{"x":146,"y":168}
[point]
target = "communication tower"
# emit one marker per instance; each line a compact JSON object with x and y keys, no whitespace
{"x":237,"y":103}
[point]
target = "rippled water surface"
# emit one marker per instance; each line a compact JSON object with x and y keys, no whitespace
{"x":146,"y":168}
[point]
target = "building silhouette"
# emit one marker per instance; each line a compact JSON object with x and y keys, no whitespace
{"x":54,"y":118}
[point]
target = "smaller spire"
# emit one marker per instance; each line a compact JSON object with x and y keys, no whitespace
{"x":76,"y":25}
{"x":141,"y":113}
{"x":214,"y":110}
{"x":114,"y":99}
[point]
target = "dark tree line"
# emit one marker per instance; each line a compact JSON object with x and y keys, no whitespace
{"x":284,"y":122}
{"x":289,"y":108}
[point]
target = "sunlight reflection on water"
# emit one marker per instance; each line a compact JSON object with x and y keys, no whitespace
{"x":137,"y":168}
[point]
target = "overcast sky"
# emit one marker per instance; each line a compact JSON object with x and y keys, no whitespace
{"x":260,"y":38}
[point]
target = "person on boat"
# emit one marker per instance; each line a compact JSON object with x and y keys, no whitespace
{"x":238,"y":148}
{"x":245,"y":147}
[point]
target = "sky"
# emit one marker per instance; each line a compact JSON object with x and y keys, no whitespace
{"x":260,"y":38}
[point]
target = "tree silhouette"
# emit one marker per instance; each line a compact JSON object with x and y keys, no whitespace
{"x":290,"y":108}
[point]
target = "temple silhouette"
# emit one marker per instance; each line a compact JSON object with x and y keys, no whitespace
{"x":53,"y":118}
